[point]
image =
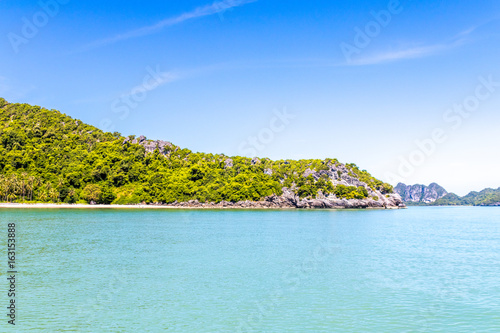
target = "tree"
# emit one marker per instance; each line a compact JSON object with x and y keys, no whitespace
{"x":92,"y":193}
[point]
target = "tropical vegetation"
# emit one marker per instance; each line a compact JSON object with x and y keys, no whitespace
{"x":47,"y":156}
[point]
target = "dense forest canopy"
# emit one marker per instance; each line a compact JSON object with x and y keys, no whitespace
{"x":486,"y":197}
{"x":47,"y":156}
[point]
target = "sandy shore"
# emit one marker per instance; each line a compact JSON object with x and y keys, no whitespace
{"x":78,"y":206}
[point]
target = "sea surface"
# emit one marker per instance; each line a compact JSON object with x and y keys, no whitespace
{"x":423,"y":269}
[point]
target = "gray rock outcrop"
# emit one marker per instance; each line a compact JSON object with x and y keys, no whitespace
{"x":228,"y":163}
{"x":289,"y":199}
{"x":420,"y":193}
{"x":149,"y":145}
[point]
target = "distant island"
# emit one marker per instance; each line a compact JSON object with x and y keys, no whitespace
{"x":436,"y":195}
{"x":49,"y":157}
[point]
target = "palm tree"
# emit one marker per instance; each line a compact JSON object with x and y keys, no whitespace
{"x":60,"y":183}
{"x":3,"y":190}
{"x":23,"y":188}
{"x":15,"y":186}
{"x":42,"y":195}
{"x":11,"y":197}
{"x":29,"y":186}
{"x":53,"y":194}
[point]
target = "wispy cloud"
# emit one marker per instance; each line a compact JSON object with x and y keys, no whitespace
{"x":161,"y":79}
{"x":464,"y":37}
{"x":473,"y":29}
{"x":214,"y":8}
{"x":388,"y":56}
{"x":467,"y":32}
{"x":157,"y":78}
{"x":406,"y":53}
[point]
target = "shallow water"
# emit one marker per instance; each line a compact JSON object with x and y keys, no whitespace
{"x":417,"y":270}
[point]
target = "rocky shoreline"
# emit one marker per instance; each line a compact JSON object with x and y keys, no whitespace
{"x":273,"y":202}
{"x":292,"y":201}
{"x":288,"y":200}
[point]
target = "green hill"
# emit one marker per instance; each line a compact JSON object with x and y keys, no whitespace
{"x":487,"y":197}
{"x":47,"y":156}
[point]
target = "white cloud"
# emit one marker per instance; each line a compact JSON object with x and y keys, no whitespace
{"x":415,"y":52}
{"x":408,"y":53}
{"x":476,"y":27}
{"x":215,"y":8}
{"x":161,"y":79}
{"x":420,"y":51}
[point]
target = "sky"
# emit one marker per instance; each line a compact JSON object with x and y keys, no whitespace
{"x":408,"y":90}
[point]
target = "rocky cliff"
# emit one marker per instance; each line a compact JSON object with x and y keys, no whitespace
{"x":289,"y":199}
{"x":435,"y":195}
{"x":416,"y":194}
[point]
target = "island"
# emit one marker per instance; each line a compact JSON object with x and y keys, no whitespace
{"x":49,"y":157}
{"x":436,"y":195}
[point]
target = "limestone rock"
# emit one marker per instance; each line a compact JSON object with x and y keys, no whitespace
{"x":228,"y":163}
{"x":420,"y":193}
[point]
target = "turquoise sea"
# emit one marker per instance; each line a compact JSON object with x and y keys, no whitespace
{"x":421,"y":269}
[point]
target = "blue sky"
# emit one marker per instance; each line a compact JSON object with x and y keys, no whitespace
{"x":362,"y":81}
